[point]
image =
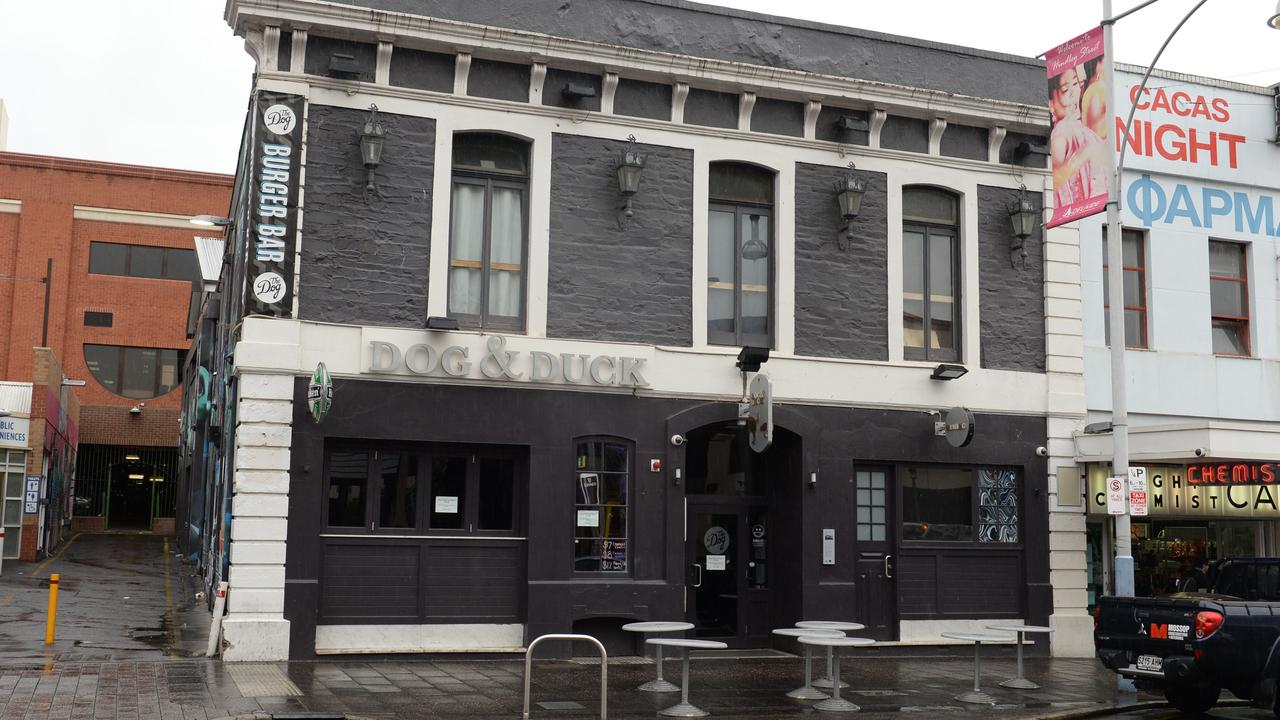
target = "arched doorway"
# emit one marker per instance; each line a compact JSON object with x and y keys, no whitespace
{"x":742,"y":540}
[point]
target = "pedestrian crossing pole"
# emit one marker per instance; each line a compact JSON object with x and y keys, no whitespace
{"x":52,"y":620}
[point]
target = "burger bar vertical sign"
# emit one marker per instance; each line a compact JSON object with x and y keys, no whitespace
{"x":273,"y":228}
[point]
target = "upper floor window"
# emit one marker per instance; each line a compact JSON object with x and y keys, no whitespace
{"x":1229,"y":297}
{"x":133,"y":372}
{"x":488,"y":231}
{"x":144,"y":261}
{"x":930,"y":274}
{"x":1135,"y":288}
{"x":740,"y":255}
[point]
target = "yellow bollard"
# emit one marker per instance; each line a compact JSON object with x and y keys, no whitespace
{"x":53,"y":609}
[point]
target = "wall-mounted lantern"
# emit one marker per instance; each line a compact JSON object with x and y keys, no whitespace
{"x":1024,"y":218}
{"x":630,"y":172}
{"x":371,"y":140}
{"x":849,"y":192}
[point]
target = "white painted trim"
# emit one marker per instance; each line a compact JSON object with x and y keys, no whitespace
{"x":132,"y":217}
{"x":812,"y":109}
{"x":462,"y":637}
{"x":13,"y":207}
{"x":537,"y":264}
{"x":995,"y":140}
{"x":298,"y":49}
{"x":878,"y":117}
{"x":537,"y":82}
{"x":382,"y":69}
{"x":461,"y":73}
{"x":679,"y":93}
{"x":784,"y":303}
{"x":441,"y":219}
{"x":608,"y":91}
{"x":698,"y":313}
{"x":929,"y":632}
{"x":270,"y":48}
{"x":746,"y":104}
{"x":937,"y":126}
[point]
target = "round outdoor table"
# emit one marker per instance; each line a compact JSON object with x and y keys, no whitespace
{"x":824,"y":682}
{"x":808,"y":692}
{"x":836,"y":703}
{"x":685,"y":708}
{"x":1020,"y":682}
{"x":661,"y":684}
{"x":976,"y":696}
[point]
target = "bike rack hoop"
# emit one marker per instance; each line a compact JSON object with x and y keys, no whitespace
{"x":604,"y":669}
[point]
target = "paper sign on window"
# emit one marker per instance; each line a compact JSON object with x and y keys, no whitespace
{"x":588,"y":518}
{"x":715,"y":562}
{"x":447,"y":504}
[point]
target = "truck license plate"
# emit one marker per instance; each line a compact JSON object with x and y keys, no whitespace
{"x":1150,"y":662}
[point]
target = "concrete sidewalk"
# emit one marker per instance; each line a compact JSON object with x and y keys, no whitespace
{"x":131,"y":633}
{"x":492,"y":689}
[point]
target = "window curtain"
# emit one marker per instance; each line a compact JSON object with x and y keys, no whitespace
{"x":506,"y":252}
{"x":467,"y":230}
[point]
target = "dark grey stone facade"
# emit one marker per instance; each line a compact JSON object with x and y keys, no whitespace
{"x":708,"y":107}
{"x":686,"y":28}
{"x":637,"y":98}
{"x":1009,"y":150}
{"x":616,"y":284}
{"x":365,"y":262}
{"x":842,"y":298}
{"x":498,"y":80}
{"x":780,"y":117}
{"x":964,"y":141}
{"x":1012,"y":298}
{"x":828,"y":130}
{"x":422,"y":70}
{"x":321,"y":49}
{"x":904,"y":133}
{"x":553,"y":89}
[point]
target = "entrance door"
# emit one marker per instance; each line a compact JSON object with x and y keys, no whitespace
{"x":727,"y":595}
{"x":875,"y":585}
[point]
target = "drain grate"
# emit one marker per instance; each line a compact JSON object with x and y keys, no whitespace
{"x":561,"y":705}
{"x":262,"y":680}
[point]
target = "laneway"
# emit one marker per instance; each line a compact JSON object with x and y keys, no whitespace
{"x":122,"y":597}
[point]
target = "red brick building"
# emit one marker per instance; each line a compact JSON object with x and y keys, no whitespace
{"x":120,"y":286}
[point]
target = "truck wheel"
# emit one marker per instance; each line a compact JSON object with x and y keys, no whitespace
{"x":1192,"y":699}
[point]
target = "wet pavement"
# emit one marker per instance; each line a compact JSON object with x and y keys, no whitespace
{"x":121,"y":597}
{"x":130,"y":633}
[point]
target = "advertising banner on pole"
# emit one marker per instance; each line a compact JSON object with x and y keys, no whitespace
{"x":273,"y":227}
{"x":1079,"y":94}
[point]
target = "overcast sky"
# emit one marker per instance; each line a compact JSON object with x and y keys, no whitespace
{"x":165,"y":83}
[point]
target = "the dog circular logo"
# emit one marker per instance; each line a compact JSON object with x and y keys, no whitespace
{"x":269,"y":288}
{"x":279,"y":119}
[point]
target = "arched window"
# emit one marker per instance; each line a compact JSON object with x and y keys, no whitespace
{"x":488,"y":231}
{"x":930,"y":274}
{"x":740,"y":255}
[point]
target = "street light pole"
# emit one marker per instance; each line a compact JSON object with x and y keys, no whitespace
{"x":1124,"y":583}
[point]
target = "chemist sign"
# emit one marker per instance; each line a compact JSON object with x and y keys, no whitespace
{"x":14,"y":432}
{"x":1170,"y":492}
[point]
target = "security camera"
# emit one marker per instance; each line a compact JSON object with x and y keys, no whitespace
{"x":677,"y":439}
{"x":1042,"y":451}
{"x":1201,"y":452}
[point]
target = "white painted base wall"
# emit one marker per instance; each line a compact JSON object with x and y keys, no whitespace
{"x":1072,"y":635}
{"x":929,"y":632}
{"x":245,"y":640}
{"x":357,"y":639}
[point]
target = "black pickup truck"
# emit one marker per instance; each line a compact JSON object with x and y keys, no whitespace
{"x":1194,"y":645}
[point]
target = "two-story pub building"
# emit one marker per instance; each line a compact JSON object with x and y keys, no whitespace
{"x":535,"y":360}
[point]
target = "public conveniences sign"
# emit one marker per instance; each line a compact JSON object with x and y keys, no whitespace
{"x":1219,"y":489}
{"x":1078,"y":108}
{"x":272,"y":226}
